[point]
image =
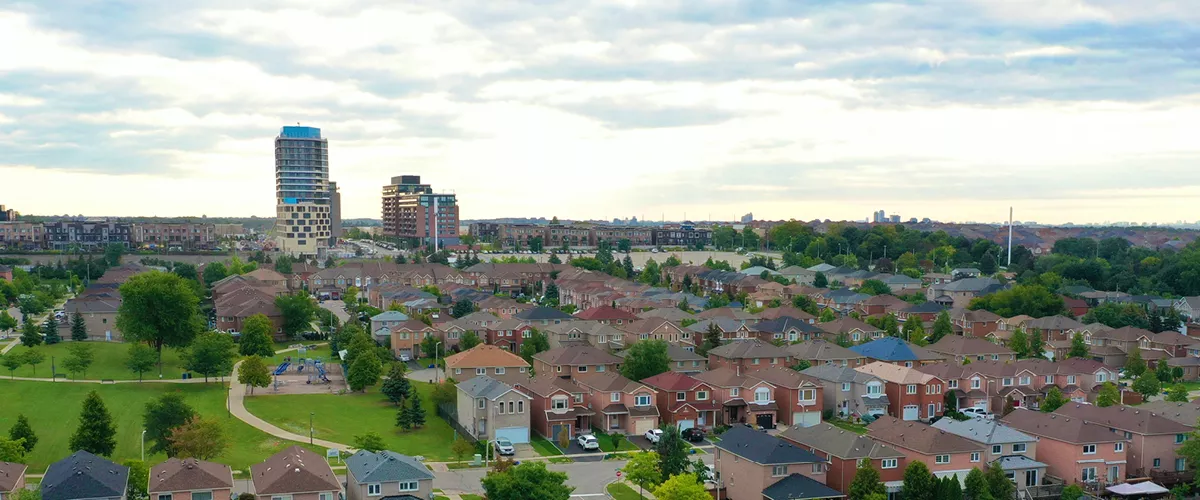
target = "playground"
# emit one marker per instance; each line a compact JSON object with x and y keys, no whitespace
{"x":301,"y":374}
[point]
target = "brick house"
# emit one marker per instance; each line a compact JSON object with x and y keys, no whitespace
{"x":487,"y":360}
{"x":1073,"y":448}
{"x":190,"y":479}
{"x":1054,"y":327}
{"x":850,"y":392}
{"x":752,"y":465}
{"x":656,"y":329}
{"x":743,"y":399}
{"x":897,"y":351}
{"x":1014,"y":450}
{"x":684,"y":401}
{"x":798,"y":396}
{"x":507,"y":334}
{"x":825,"y":352}
{"x":977,"y":323}
{"x":748,"y":355}
{"x":625,"y":406}
{"x":845,"y":450}
{"x":882,"y":304}
{"x":912,"y":394}
{"x":297,"y":473}
{"x":608,"y":315}
{"x":1154,"y":440}
{"x":857,"y":331}
{"x":959,"y":348}
{"x":12,"y":479}
{"x":407,"y":337}
{"x":944,"y":453}
{"x":559,"y":408}
{"x":574,"y":361}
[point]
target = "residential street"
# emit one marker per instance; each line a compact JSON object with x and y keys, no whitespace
{"x":588,"y":478}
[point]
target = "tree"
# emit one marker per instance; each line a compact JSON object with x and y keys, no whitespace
{"x":256,"y":337}
{"x":942,"y":327}
{"x":712,"y":339}
{"x":537,"y":342}
{"x":1079,"y":348}
{"x":161,"y":309}
{"x":297,"y":310}
{"x":364,"y":372}
{"x":827,"y":315}
{"x":12,"y":450}
{"x":30,"y":336}
{"x":199,"y":438}
{"x":112,"y":254}
{"x":79,"y":359}
{"x":914,"y":331}
{"x":78,"y":328}
{"x":141,"y":359}
{"x":254,"y":373}
{"x":404,"y":418}
{"x":34,"y":357}
{"x":139,"y":480}
{"x":866,"y":482}
{"x":50,"y":330}
{"x":11,"y":362}
{"x":462,"y":308}
{"x":444,"y":393}
{"x":7,"y":322}
{"x":627,"y":265}
{"x":1019,"y":343}
{"x":874,"y":287}
{"x":1054,"y":400}
{"x":672,"y":453}
{"x":949,"y":488}
{"x":1031,"y":300}
{"x":1163,"y":372}
{"x":1037,"y":347}
{"x":461,"y":448}
{"x":416,"y":413}
{"x":163,"y":415}
{"x":643,"y":469}
{"x":1178,"y":393}
{"x":1135,"y":366}
{"x":96,"y":434}
{"x":645,"y":359}
{"x":919,"y":482}
{"x":371,"y":441}
{"x":210,"y":355}
{"x":554,"y":259}
{"x":21,"y":430}
{"x":1147,"y":385}
{"x":820,"y":281}
{"x":976,"y":485}
{"x":397,"y":389}
{"x":682,"y":487}
{"x":468,"y":340}
{"x":527,"y":481}
{"x":998,"y":485}
{"x":1109,"y":395}
{"x":1071,"y":492}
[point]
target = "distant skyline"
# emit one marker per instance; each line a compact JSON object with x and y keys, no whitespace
{"x":1069,"y":110}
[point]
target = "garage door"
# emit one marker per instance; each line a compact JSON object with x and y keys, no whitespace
{"x":806,"y":418}
{"x":685,"y":424}
{"x":910,"y":412}
{"x":642,"y":425}
{"x":765,"y":420}
{"x":515,"y":434}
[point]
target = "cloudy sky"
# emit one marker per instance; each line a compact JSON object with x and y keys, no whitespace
{"x":1070,"y":110}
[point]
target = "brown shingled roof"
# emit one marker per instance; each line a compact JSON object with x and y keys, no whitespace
{"x":189,"y":474}
{"x":483,"y":356}
{"x":293,"y":470}
{"x":1058,"y":427}
{"x":919,"y":437}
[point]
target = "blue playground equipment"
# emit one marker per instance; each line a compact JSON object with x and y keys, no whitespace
{"x":282,"y":368}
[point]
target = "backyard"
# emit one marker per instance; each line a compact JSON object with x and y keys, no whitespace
{"x":339,"y":418}
{"x":109,"y":362}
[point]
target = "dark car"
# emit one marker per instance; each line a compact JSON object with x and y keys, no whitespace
{"x":693,"y":434}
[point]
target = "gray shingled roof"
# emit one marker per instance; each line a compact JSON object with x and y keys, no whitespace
{"x":84,"y":475}
{"x":983,"y":431}
{"x":753,"y":348}
{"x":386,"y":466}
{"x":764,"y":449}
{"x":484,"y":387}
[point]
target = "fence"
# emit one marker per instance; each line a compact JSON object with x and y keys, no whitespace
{"x":449,"y":413}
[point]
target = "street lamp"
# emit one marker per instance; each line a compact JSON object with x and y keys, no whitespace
{"x":310,"y":428}
{"x":436,"y":374}
{"x":143,"y":445}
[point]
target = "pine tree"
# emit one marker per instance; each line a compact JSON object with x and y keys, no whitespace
{"x":22,"y":430}
{"x":416,"y":414}
{"x":1019,"y":343}
{"x":50,"y":330}
{"x":30,"y":336}
{"x":1079,"y":348}
{"x":96,"y":432}
{"x":78,"y":328}
{"x":404,"y":417}
{"x":1037,"y":346}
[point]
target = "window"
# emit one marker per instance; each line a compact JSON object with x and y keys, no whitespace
{"x":481,"y":371}
{"x":1049,"y":379}
{"x":818,"y":468}
{"x":1088,"y":474}
{"x":755,"y":361}
{"x":975,"y":383}
{"x":874,"y":388}
{"x":735,"y":392}
{"x":582,"y":369}
{"x":1018,"y":447}
{"x":1025,"y":380}
{"x":975,"y":456}
{"x":778,"y":470}
{"x":680,"y":396}
{"x":1180,"y":438}
{"x":642,"y":400}
{"x":941,"y":459}
{"x":762,"y":395}
{"x":325,"y":496}
{"x":908,"y":364}
{"x":458,"y":371}
{"x":500,"y":408}
{"x":1119,"y":447}
{"x":499,"y":370}
{"x":599,"y":368}
{"x":995,"y":357}
{"x":997,"y":449}
{"x":374,"y":490}
{"x":953,"y":383}
{"x":520,"y":406}
{"x":1071,"y":379}
{"x":911,"y":389}
{"x":165,"y":497}
{"x":1101,"y":376}
{"x":510,"y":407}
{"x":845,"y":386}
{"x":558,"y":369}
{"x":526,"y":334}
{"x":1180,"y":464}
{"x":808,"y":395}
{"x":558,"y":403}
{"x":481,"y":403}
{"x":1157,"y":462}
{"x":701,"y":395}
{"x":409,"y":486}
{"x":1089,"y":449}
{"x":614,"y":397}
{"x":1008,"y":381}
{"x":889,"y":463}
{"x":578,"y":397}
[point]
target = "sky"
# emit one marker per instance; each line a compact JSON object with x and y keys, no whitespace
{"x":1068,"y":110}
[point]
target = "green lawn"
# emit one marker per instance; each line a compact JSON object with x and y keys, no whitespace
{"x":321,"y":352}
{"x":53,"y":411}
{"x":339,"y":418}
{"x":544,"y":447}
{"x":850,"y":426}
{"x":606,"y":442}
{"x":109,"y":363}
{"x":468,"y":496}
{"x":622,"y":491}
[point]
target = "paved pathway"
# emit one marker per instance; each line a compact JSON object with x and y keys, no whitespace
{"x":10,"y":346}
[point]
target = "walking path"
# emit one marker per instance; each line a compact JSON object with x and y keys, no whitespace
{"x":10,"y":346}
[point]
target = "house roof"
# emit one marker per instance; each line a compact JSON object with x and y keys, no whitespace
{"x":1127,"y":418}
{"x":846,"y":325}
{"x":1053,"y":323}
{"x":785,"y":311}
{"x":1183,"y":413}
{"x":838,"y":442}
{"x":650,"y":325}
{"x":726,"y":312}
{"x":577,"y":355}
{"x":837,"y":373}
{"x":293,"y":470}
{"x":783,"y":377}
{"x":10,"y":473}
{"x":820,"y":350}
{"x":885,"y":300}
{"x":799,"y":487}
{"x":747,"y":349}
{"x":919,"y":437}
{"x":983,"y":431}
{"x":608,"y":381}
{"x":1018,"y":462}
{"x":894,"y":349}
{"x":764,"y":449}
{"x":1059,"y":427}
{"x":189,"y":474}
{"x":674,"y":353}
{"x":970,"y":285}
{"x":959,"y":345}
{"x":543,"y":313}
{"x":784,"y":324}
{"x":386,"y":466}
{"x":390,"y":316}
{"x":925,"y":307}
{"x":1125,"y":334}
{"x":484,"y":356}
{"x":896,"y":373}
{"x":84,"y":475}
{"x":484,"y":386}
{"x":822,"y":268}
{"x":607,"y":313}
{"x":672,"y":381}
{"x":725,"y":377}
{"x":670,"y":313}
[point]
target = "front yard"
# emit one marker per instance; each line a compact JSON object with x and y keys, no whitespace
{"x":606,"y":444}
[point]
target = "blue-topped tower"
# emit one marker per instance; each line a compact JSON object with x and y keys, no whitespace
{"x":303,"y":222}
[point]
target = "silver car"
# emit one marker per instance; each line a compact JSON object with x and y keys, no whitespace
{"x":505,"y":447}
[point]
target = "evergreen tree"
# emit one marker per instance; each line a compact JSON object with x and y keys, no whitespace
{"x":1079,"y":348}
{"x":1135,"y":366}
{"x":976,"y":485}
{"x":96,"y":434}
{"x":1019,"y":343}
{"x":919,"y":483}
{"x":949,"y":489}
{"x":941,"y":327}
{"x":1037,"y":346}
{"x":50,"y":330}
{"x":22,"y":430}
{"x":30,"y":336}
{"x":672,"y":453}
{"x":627,"y":263}
{"x":78,"y":328}
{"x":998,"y":485}
{"x":404,"y":417}
{"x":397,"y":389}
{"x":820,"y":281}
{"x":416,"y":412}
{"x":866,"y":482}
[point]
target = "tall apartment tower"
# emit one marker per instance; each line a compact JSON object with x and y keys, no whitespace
{"x":412,"y":211}
{"x":302,"y":200}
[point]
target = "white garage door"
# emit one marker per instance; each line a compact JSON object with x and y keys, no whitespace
{"x":642,"y":425}
{"x":910,"y":412}
{"x":685,"y":424}
{"x":806,"y":418}
{"x":515,"y":434}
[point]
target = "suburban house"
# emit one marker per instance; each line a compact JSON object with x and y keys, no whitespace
{"x":681,"y":360}
{"x":388,"y":320}
{"x":825,"y":352}
{"x":626,"y":406}
{"x":656,"y":329}
{"x":12,"y":479}
{"x":572,"y":361}
{"x":924,"y":312}
{"x":296,"y":473}
{"x":98,"y":304}
{"x":85,"y":476}
{"x":387,"y":475}
{"x":608,"y":315}
{"x":988,"y":384}
{"x":559,"y":409}
{"x":743,"y":399}
{"x":491,"y":409}
{"x":855,"y":330}
{"x":959,"y":293}
{"x":407,"y":337}
{"x":844,"y":450}
{"x":882,"y":304}
{"x":944,"y":453}
{"x":684,"y":401}
{"x":897,"y":351}
{"x":1153,"y":438}
{"x":190,"y":479}
{"x":960,"y":347}
{"x":507,"y":334}
{"x":786,"y":311}
{"x":975,"y":323}
{"x":748,"y":355}
{"x":487,"y":360}
{"x":798,"y":396}
{"x":752,"y":465}
{"x":1015,"y":450}
{"x":911,"y":393}
{"x":581,"y":332}
{"x":850,"y":392}
{"x":543,"y":315}
{"x":788,"y":329}
{"x":1054,"y":327}
{"x":1072,"y":448}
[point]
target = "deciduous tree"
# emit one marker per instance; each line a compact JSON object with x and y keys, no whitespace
{"x":33,"y":357}
{"x":672,"y":453}
{"x":1109,"y":395}
{"x":79,"y":359}
{"x":681,"y":487}
{"x":30,"y":336}
{"x":1178,"y":393}
{"x":919,"y":483}
{"x":141,"y":359}
{"x":96,"y":434}
{"x":253,"y":372}
{"x":1054,"y":400}
{"x":998,"y":485}
{"x":298,"y":310}
{"x":23,"y":431}
{"x":645,"y":359}
{"x":256,"y":337}
{"x":161,"y":416}
{"x":527,"y":481}
{"x":1135,"y":366}
{"x":12,"y":450}
{"x":866,"y":482}
{"x":364,"y":372}
{"x":1079,"y":348}
{"x":11,"y":362}
{"x":199,"y":438}
{"x":941,"y":327}
{"x":1147,"y":385}
{"x":139,"y":480}
{"x":161,"y":309}
{"x":537,"y":342}
{"x":211,"y":355}
{"x":643,"y":470}
{"x":371,"y":441}
{"x":468,"y":340}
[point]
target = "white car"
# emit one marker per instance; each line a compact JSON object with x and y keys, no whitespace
{"x":653,"y":435}
{"x":977,"y":412}
{"x":588,"y":442}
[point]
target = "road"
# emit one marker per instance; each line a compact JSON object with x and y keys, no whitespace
{"x":588,"y":478}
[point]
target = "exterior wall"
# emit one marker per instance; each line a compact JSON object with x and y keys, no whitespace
{"x":746,"y":365}
{"x":22,"y":234}
{"x":497,"y":420}
{"x":464,"y":374}
{"x":745,"y":480}
{"x":1006,"y":450}
{"x":842,"y":471}
{"x":1144,"y":449}
{"x":1063,"y":459}
{"x":665,"y":400}
{"x":625,"y":423}
{"x":217,"y":494}
{"x":98,"y":326}
{"x":297,"y":496}
{"x":689,"y":366}
{"x":958,"y":461}
{"x":898,"y":398}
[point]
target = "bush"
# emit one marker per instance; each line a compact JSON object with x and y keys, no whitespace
{"x":827,"y":414}
{"x":720,"y":429}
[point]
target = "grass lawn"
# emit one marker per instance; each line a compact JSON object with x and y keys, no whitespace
{"x":53,"y":411}
{"x":321,"y":352}
{"x":606,"y":442}
{"x":109,"y":362}
{"x":850,"y":426}
{"x":340,"y":418}
{"x":622,"y":491}
{"x":544,"y":447}
{"x":469,"y":496}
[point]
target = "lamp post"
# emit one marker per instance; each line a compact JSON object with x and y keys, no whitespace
{"x":310,"y":428}
{"x":143,"y":445}
{"x":437,"y":375}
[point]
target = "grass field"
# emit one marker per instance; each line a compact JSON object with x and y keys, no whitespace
{"x":109,"y":362}
{"x":621,"y":491}
{"x":322,"y":353}
{"x":53,"y":411}
{"x":339,"y":418}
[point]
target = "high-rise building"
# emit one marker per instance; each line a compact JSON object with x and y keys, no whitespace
{"x":302,"y":208}
{"x":335,"y":212}
{"x":412,"y":211}
{"x":7,"y":215}
{"x":748,"y":218}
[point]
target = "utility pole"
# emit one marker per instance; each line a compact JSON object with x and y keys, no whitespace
{"x":1010,"y":231}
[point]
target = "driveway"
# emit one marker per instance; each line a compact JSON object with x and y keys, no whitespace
{"x":641,"y":442}
{"x":430,"y":375}
{"x":338,"y":308}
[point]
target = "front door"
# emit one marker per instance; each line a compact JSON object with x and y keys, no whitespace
{"x":765,"y":420}
{"x":1113,"y":472}
{"x":932,"y":409}
{"x":1031,"y":478}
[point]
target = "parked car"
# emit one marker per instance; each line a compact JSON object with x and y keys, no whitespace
{"x":694,"y":434}
{"x":505,"y":447}
{"x":977,"y":412}
{"x":654,"y":435}
{"x":588,"y":442}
